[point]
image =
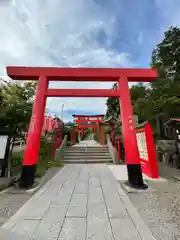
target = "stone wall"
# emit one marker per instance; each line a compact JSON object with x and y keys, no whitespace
{"x":166,"y":149}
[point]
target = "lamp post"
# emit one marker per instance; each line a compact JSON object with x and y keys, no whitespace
{"x":62,"y":109}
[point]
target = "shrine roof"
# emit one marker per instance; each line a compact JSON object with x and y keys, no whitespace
{"x":91,"y":115}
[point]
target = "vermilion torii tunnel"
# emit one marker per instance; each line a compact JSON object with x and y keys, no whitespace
{"x":87,"y":121}
{"x":45,"y":74}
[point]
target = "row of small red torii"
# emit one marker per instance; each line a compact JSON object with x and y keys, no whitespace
{"x":93,"y":121}
{"x":45,"y":74}
{"x":49,"y":126}
{"x":87,"y":121}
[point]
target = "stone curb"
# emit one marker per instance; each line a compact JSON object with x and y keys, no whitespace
{"x":140,"y":225}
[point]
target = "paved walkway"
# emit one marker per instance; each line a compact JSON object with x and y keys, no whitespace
{"x":80,"y":202}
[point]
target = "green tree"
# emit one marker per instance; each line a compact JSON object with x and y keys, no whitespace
{"x":166,"y":56}
{"x":166,"y":89}
{"x":139,"y":97}
{"x":112,"y":103}
{"x":16,"y":102}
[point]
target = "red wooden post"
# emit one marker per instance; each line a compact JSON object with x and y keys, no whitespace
{"x":53,"y":124}
{"x":31,"y":153}
{"x":82,"y":131}
{"x":101,"y":136}
{"x":118,"y":148}
{"x":94,"y":130}
{"x":135,"y":178}
{"x":73,"y":137}
{"x":153,"y":167}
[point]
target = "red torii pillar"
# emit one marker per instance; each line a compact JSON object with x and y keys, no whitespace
{"x":129,"y":133}
{"x":31,"y":152}
{"x":82,"y":131}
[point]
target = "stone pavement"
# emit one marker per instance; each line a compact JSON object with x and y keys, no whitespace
{"x":80,"y":202}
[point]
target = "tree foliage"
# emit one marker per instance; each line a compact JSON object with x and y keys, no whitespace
{"x":139,"y":95}
{"x":16,"y":105}
{"x":166,"y":88}
{"x":113,"y":109}
{"x":162,"y":95}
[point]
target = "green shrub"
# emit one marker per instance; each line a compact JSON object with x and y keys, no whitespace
{"x":96,"y":137}
{"x":44,"y":156}
{"x":45,"y":148}
{"x":55,"y":164}
{"x":16,"y":158}
{"x":44,"y":161}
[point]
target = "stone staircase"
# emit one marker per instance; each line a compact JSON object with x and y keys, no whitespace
{"x":87,"y":152}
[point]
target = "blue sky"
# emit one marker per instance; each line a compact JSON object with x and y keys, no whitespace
{"x":90,"y":33}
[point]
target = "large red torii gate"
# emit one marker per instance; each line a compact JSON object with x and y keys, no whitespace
{"x":45,"y":74}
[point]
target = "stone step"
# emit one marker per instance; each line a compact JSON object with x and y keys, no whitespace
{"x":85,"y":152}
{"x":87,"y":161}
{"x":87,"y":156}
{"x":90,"y":147}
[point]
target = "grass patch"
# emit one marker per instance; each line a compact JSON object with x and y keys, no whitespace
{"x":40,"y":171}
{"x":55,"y":164}
{"x":16,"y":158}
{"x":3,"y":187}
{"x":43,"y":166}
{"x":16,"y":162}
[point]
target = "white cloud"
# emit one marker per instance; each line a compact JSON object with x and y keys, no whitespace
{"x":56,"y":33}
{"x":59,"y":33}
